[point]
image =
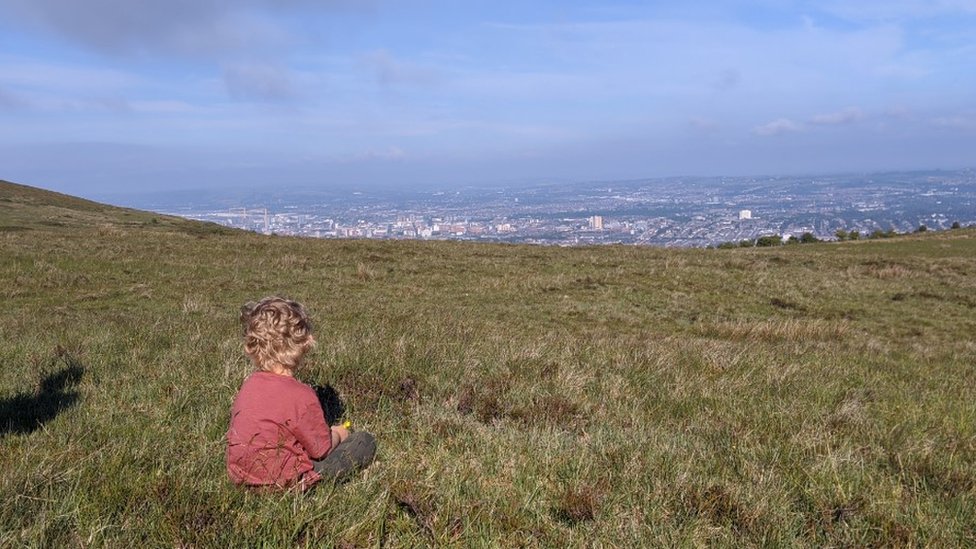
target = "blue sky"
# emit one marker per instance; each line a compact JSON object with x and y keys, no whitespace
{"x":121,"y":95}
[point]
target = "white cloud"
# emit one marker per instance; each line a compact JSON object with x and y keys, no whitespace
{"x":262,"y":82}
{"x":897,"y":112}
{"x":183,"y":27}
{"x":391,"y":71}
{"x":777,"y":127}
{"x":703,"y":123}
{"x":45,"y":101}
{"x":902,"y":70}
{"x":25,"y":73}
{"x":693,"y":59}
{"x":386,"y":154}
{"x":727,"y":79}
{"x":956,"y":122}
{"x":11,"y":101}
{"x":873,"y":10}
{"x":162,"y":107}
{"x":846,"y":116}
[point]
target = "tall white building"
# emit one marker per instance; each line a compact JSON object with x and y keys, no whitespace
{"x":745,"y":214}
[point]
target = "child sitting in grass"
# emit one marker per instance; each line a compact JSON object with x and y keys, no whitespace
{"x":278,"y":435}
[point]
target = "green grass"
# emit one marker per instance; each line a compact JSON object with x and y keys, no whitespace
{"x":522,"y":396}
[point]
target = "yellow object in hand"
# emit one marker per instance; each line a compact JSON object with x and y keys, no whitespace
{"x":347,"y":424}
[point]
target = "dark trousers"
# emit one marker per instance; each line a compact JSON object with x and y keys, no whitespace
{"x":349,"y":457}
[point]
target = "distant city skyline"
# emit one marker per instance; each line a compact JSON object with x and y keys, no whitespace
{"x":662,"y":212}
{"x":109,"y":96}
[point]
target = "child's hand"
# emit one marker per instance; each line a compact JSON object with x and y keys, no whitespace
{"x":339,"y":432}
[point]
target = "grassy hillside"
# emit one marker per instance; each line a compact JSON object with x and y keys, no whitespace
{"x":28,"y":208}
{"x":522,"y":396}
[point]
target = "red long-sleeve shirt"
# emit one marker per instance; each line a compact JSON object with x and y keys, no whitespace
{"x":276,"y":429}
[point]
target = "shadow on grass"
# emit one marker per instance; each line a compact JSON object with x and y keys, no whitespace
{"x":26,"y":412}
{"x":331,"y":402}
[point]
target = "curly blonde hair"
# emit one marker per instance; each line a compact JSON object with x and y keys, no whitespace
{"x":277,"y":332}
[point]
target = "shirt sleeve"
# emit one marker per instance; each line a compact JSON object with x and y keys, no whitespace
{"x":313,"y":433}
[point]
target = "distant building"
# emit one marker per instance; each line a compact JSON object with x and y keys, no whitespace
{"x":745,"y":214}
{"x":596,"y":223}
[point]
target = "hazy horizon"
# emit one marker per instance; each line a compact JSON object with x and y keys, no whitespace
{"x":170,"y":200}
{"x":106,"y":96}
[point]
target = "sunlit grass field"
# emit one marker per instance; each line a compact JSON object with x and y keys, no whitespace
{"x":814,"y":395}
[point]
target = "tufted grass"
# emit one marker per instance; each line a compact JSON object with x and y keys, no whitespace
{"x":815,"y":395}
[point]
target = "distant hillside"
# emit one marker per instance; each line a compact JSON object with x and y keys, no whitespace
{"x":814,"y":395}
{"x":23,"y":207}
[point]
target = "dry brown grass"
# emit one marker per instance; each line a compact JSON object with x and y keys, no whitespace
{"x":784,"y":329}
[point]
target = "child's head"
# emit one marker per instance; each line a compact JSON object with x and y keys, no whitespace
{"x":277,"y":333}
